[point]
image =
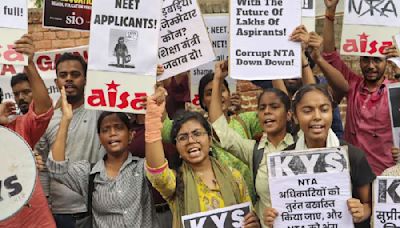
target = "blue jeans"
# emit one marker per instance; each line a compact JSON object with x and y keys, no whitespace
{"x":71,"y":221}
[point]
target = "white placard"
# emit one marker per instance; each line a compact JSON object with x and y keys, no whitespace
{"x":363,"y":40}
{"x":386,"y":198}
{"x":7,"y":39}
{"x":17,"y":173}
{"x":308,"y":8}
{"x":311,"y":187}
{"x":309,"y":22}
{"x":14,"y":14}
{"x":218,"y":30}
{"x":259,"y":39}
{"x":226,"y":217}
{"x":394,"y":107}
{"x":372,"y":12}
{"x":184,"y":42}
{"x":45,"y":63}
{"x":124,"y":36}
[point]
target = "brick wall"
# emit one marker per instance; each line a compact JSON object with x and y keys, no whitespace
{"x":47,"y":39}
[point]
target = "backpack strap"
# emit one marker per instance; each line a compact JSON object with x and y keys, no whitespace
{"x":258,"y":155}
{"x":90,"y":194}
{"x":241,"y":122}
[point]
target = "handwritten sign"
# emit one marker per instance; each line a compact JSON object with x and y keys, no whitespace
{"x":124,"y":33}
{"x":65,"y":15}
{"x":17,"y":173}
{"x":45,"y":63}
{"x":228,"y":217}
{"x":259,"y":39}
{"x":366,"y":40}
{"x":386,"y":198}
{"x":184,"y":42}
{"x":13,"y":24}
{"x":218,"y":30}
{"x":372,"y":12}
{"x":310,"y":187}
{"x":394,"y":106}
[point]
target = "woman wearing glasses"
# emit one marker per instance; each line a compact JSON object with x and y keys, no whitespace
{"x":196,"y":182}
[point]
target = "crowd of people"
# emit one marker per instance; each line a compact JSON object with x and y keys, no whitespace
{"x":108,"y":169}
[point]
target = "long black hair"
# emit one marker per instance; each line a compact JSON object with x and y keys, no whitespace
{"x":202,"y":86}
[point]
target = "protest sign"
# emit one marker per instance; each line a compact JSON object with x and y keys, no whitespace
{"x":218,"y":29}
{"x":184,"y":42}
{"x":45,"y":63}
{"x":259,"y":39}
{"x":310,"y":187}
{"x":309,"y":22}
{"x":13,"y":24}
{"x":363,"y":40}
{"x":394,"y":106}
{"x":124,"y":36}
{"x":308,"y":8}
{"x":228,"y":217}
{"x":65,"y":15}
{"x":372,"y":12}
{"x":17,"y":173}
{"x":386,"y":201}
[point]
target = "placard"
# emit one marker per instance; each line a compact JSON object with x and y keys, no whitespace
{"x":394,"y":106}
{"x":124,"y":36}
{"x":184,"y":42}
{"x":228,"y":217}
{"x":363,"y":40}
{"x":67,"y":15}
{"x":259,"y":39}
{"x":13,"y":24}
{"x":45,"y":64}
{"x":386,"y":197}
{"x":17,"y":173}
{"x":372,"y":12}
{"x":310,"y":187}
{"x":218,"y":30}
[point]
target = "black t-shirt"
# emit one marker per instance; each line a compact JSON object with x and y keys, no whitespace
{"x":360,"y":173}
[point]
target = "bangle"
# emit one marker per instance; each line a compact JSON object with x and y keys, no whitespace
{"x":330,"y":17}
{"x":306,"y":65}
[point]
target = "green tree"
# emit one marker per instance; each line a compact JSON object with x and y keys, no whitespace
{"x":39,"y":3}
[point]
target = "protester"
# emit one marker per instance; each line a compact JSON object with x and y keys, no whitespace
{"x":273,"y":116}
{"x":22,"y":91}
{"x":68,"y":206}
{"x":312,"y":109}
{"x":31,"y":127}
{"x":367,"y":115}
{"x":121,"y":196}
{"x":199,"y":182}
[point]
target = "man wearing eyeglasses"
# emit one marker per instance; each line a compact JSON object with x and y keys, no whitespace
{"x":367,"y":119}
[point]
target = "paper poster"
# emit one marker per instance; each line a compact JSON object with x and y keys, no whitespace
{"x":363,"y":40}
{"x":17,"y":173}
{"x":227,"y":217}
{"x":310,"y":187}
{"x":13,"y":25}
{"x":13,"y":14}
{"x":308,"y":8}
{"x":259,"y":39}
{"x":218,"y":29}
{"x":372,"y":12}
{"x":184,"y":42}
{"x":67,"y":15}
{"x":124,"y":36}
{"x":309,"y":22}
{"x":45,"y":63}
{"x":394,"y":106}
{"x":386,"y":201}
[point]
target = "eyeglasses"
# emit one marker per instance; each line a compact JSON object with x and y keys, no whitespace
{"x":184,"y":138}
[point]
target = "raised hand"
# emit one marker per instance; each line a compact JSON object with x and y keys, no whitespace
{"x":7,"y":108}
{"x":315,"y":43}
{"x":25,"y":46}
{"x":300,"y":34}
{"x":66,"y":108}
{"x":331,"y":3}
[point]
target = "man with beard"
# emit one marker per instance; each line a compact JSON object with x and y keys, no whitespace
{"x":68,"y":207}
{"x":30,"y":127}
{"x":368,"y":119}
{"x":22,"y":91}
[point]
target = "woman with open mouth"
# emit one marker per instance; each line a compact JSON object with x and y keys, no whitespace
{"x":196,"y":182}
{"x":115,"y":189}
{"x":313,"y":110}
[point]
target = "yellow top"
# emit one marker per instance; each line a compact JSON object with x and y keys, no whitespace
{"x":163,"y":180}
